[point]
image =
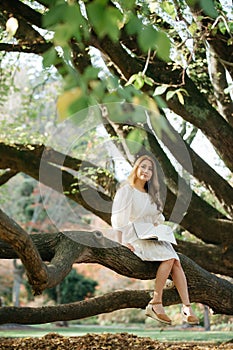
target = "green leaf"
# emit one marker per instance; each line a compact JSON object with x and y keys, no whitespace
{"x":134,"y":25}
{"x":222,"y":28}
{"x":138,"y":115}
{"x":112,"y":83}
{"x":209,"y":8}
{"x":170,"y":94}
{"x":91,"y":73}
{"x":105,"y":19}
{"x":127,"y":5}
{"x":180,"y":97}
{"x":160,"y":90}
{"x":160,"y":102}
{"x":131,"y":80}
{"x":49,"y":57}
{"x":62,"y":35}
{"x":135,"y":140}
{"x":179,"y":94}
{"x":163,"y":46}
{"x":169,"y":8}
{"x":148,"y":80}
{"x":160,"y":125}
{"x":76,"y":21}
{"x":77,"y":106}
{"x":113,"y":19}
{"x":150,"y":38}
{"x":49,"y":3}
{"x":147,"y":38}
{"x":139,"y":82}
{"x":192,"y":2}
{"x":192,"y":28}
{"x":116,"y":114}
{"x":109,"y":98}
{"x":54,"y":15}
{"x":95,"y":11}
{"x":184,"y":91}
{"x":230,"y":26}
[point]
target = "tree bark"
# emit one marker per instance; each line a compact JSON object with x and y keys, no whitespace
{"x":215,"y":259}
{"x":200,"y":169}
{"x":23,"y":246}
{"x":210,"y":290}
{"x":86,"y":247}
{"x":26,"y":34}
{"x":20,"y":10}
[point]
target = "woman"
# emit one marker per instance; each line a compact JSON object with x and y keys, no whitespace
{"x":137,"y":200}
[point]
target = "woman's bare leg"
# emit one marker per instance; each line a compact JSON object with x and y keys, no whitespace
{"x":180,"y":282}
{"x":179,"y":279}
{"x":163,"y":272}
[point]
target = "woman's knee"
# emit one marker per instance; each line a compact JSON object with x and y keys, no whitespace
{"x":169,"y":262}
{"x":177,"y":265}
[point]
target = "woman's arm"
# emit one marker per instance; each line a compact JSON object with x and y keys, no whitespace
{"x":119,"y":239}
{"x":121,"y":208}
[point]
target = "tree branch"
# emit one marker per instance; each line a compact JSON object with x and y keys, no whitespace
{"x":216,"y":39}
{"x":203,"y":286}
{"x":21,"y":10}
{"x":219,"y":81}
{"x":201,"y":170}
{"x":94,"y":306}
{"x":216,"y":259}
{"x":37,"y":48}
{"x":196,"y":109}
{"x":23,"y":245}
{"x":8,"y":174}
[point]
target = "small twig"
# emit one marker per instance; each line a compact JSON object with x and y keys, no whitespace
{"x":225,"y":22}
{"x":147,"y":62}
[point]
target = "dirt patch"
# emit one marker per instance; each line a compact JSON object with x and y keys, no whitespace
{"x":108,"y":341}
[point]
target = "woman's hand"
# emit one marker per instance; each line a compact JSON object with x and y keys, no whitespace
{"x":128,"y":245}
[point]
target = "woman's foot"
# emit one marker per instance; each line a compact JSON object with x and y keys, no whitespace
{"x":188,"y":315}
{"x":155,"y":310}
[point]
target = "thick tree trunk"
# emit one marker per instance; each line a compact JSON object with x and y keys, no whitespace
{"x":215,"y":259}
{"x":86,"y":247}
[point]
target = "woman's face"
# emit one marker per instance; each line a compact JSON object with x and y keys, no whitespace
{"x":145,"y":170}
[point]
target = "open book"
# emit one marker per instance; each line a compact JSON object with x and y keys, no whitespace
{"x":146,"y":230}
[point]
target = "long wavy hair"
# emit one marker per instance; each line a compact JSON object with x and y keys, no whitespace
{"x":152,"y":186}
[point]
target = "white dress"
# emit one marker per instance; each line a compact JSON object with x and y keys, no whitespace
{"x":131,"y":205}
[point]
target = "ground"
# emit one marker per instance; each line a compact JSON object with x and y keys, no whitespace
{"x":106,"y":341}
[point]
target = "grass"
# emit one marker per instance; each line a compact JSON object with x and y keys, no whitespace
{"x":187,"y":335}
